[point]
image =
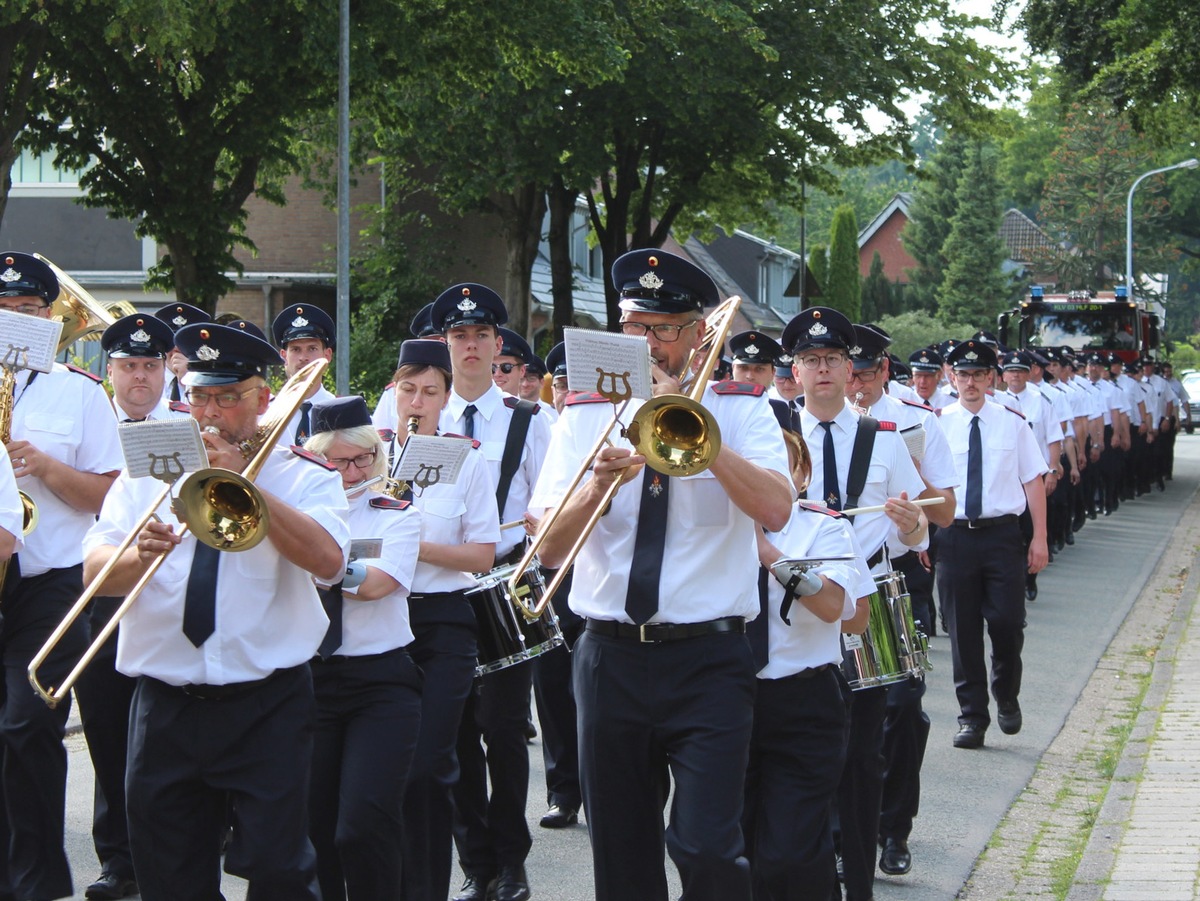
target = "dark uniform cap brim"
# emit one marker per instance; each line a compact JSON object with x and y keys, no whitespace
{"x":424,"y":352}
{"x":536,"y":366}
{"x":468,"y":304}
{"x":513,"y":345}
{"x":654,"y":281}
{"x":972,"y":355}
{"x":24,"y":275}
{"x":138,"y":335}
{"x":816,"y":328}
{"x":248,"y":327}
{"x":179,"y":315}
{"x":421,"y":325}
{"x":303,"y":320}
{"x":556,"y":360}
{"x":754,"y":348}
{"x":340,"y":413}
{"x":869,"y":346}
{"x":220,"y":355}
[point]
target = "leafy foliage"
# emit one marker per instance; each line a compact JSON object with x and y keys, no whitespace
{"x":935,"y":202}
{"x":876,"y":291}
{"x":844,"y":291}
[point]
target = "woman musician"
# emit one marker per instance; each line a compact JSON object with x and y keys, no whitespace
{"x":459,"y":531}
{"x":367,"y":687}
{"x":798,"y":744}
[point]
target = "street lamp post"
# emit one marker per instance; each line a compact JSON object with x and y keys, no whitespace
{"x":1186,"y":164}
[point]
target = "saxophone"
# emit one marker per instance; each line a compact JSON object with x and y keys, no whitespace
{"x":397,"y":487}
{"x":8,"y":381}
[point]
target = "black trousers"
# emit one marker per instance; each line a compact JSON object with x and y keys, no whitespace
{"x":368,"y":717}
{"x":797,"y":751}
{"x":860,"y":792}
{"x":105,"y":697}
{"x":33,"y":760}
{"x":919,"y":582}
{"x":444,"y":649}
{"x":650,"y":714}
{"x":490,"y":830}
{"x":981,"y":581}
{"x":905,"y":735}
{"x":188,"y":755}
{"x":554,"y":692}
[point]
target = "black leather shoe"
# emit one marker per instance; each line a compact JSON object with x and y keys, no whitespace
{"x":474,"y":888}
{"x":895,"y":859}
{"x":970,"y":735}
{"x":1069,"y":538}
{"x":111,"y":886}
{"x":1030,"y":587}
{"x":1008,"y":716}
{"x":559,"y":817}
{"x":511,"y":885}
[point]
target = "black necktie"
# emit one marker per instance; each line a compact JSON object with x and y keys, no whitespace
{"x":641,"y":600}
{"x":469,"y":420}
{"x":302,"y":429}
{"x":200,"y":601}
{"x":175,"y":389}
{"x":331,"y":600}
{"x":833,"y":496}
{"x":974,"y":505}
{"x":757,"y":630}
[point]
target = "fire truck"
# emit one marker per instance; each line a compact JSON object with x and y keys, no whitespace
{"x":1082,"y":320}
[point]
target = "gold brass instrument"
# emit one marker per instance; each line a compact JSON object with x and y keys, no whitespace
{"x":8,"y":378}
{"x":396,"y":487}
{"x":80,"y":313}
{"x":674,"y":432}
{"x":222,"y":508}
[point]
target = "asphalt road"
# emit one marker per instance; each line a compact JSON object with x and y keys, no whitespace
{"x":1084,"y":597}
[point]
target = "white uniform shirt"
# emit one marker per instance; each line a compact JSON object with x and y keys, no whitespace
{"x":322,"y":395}
{"x":891,"y":471}
{"x":162,"y":411}
{"x":268,"y":615}
{"x":902,"y":392}
{"x":710,"y":558}
{"x":809,"y":641}
{"x":12,"y":512}
{"x":68,"y":416}
{"x":384,"y":416}
{"x":372,"y":627}
{"x":1039,"y":416}
{"x":491,"y":420}
{"x":1011,"y":457}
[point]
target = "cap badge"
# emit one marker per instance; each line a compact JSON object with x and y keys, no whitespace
{"x":651,"y":282}
{"x":466,"y":305}
{"x":751,"y":350}
{"x":816,"y":330}
{"x":10,"y":275}
{"x":970,"y":355}
{"x":785,"y":360}
{"x":855,"y":351}
{"x":141,"y":336}
{"x":207,"y":354}
{"x":923,"y":358}
{"x":299,"y":322}
{"x":179,"y":321}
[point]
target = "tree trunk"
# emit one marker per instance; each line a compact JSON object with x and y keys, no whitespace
{"x":22,"y":45}
{"x":184,"y":274}
{"x":524,"y":210}
{"x":562,"y":273}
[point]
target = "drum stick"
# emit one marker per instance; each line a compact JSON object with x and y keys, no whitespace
{"x":511,"y":525}
{"x":925,"y":502}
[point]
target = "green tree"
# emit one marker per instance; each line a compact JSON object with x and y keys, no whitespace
{"x":844,"y":291}
{"x":23,"y":36}
{"x":876,"y":291}
{"x":975,"y":288}
{"x":1032,"y":133}
{"x":818,"y":265}
{"x":934,"y":204}
{"x":915,"y":329}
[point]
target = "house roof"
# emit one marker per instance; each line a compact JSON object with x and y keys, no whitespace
{"x":901,"y":202}
{"x":587,"y":296}
{"x":1024,"y":238}
{"x":757,"y":315}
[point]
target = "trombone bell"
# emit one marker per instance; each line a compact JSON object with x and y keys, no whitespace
{"x":676,"y":435}
{"x":223,"y":509}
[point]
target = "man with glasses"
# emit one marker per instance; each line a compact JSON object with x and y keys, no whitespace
{"x":304,"y":333}
{"x":508,"y":368}
{"x":664,"y":675}
{"x":531,"y":386}
{"x":490,"y":831}
{"x":220,"y":646}
{"x":982,"y":557}
{"x":64,"y":454}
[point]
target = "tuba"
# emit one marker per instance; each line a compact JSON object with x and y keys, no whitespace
{"x":79,"y":312}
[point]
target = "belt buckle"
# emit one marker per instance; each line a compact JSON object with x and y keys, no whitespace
{"x":971,"y":524}
{"x":642,"y":635}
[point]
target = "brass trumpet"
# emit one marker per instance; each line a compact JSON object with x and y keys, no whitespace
{"x":222,"y":508}
{"x":676,"y":435}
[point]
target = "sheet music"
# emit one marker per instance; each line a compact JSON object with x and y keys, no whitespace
{"x":428,"y":460}
{"x":163,"y":449}
{"x":608,"y":361}
{"x":366,"y":549}
{"x":28,"y":342}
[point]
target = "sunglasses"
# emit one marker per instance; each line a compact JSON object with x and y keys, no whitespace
{"x":506,"y":368}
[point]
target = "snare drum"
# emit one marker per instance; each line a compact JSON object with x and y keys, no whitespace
{"x":506,"y":636}
{"x":891,"y":649}
{"x":912,"y":647}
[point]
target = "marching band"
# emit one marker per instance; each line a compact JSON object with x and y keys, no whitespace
{"x":329,"y":638}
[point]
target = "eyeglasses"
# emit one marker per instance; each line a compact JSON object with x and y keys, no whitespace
{"x":667,"y":334}
{"x":362,"y":461}
{"x":26,"y":309}
{"x":829,"y":361}
{"x":506,"y":368}
{"x":224,"y":401}
{"x":866,"y":375}
{"x":972,"y":375}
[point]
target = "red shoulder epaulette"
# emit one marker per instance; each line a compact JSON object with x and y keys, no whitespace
{"x":474,"y":441}
{"x":583,"y":397}
{"x":1014,"y":412}
{"x":749,"y":389}
{"x":178,"y":406}
{"x":91,"y":375}
{"x":389,"y":386}
{"x":312,"y":458}
{"x":814,"y":507}
{"x":389,"y":503}
{"x":386,"y":435}
{"x":511,"y":402}
{"x":885,"y":426}
{"x":913,"y":403}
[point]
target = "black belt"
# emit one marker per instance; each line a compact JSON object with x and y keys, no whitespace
{"x":876,"y":558}
{"x":438,"y":595}
{"x":346,"y":658}
{"x":1006,"y":519}
{"x":231,"y":690}
{"x":657,"y":632}
{"x":808,"y":673}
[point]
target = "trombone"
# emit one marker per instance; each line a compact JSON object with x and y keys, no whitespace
{"x":221,"y":507}
{"x":676,"y":435}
